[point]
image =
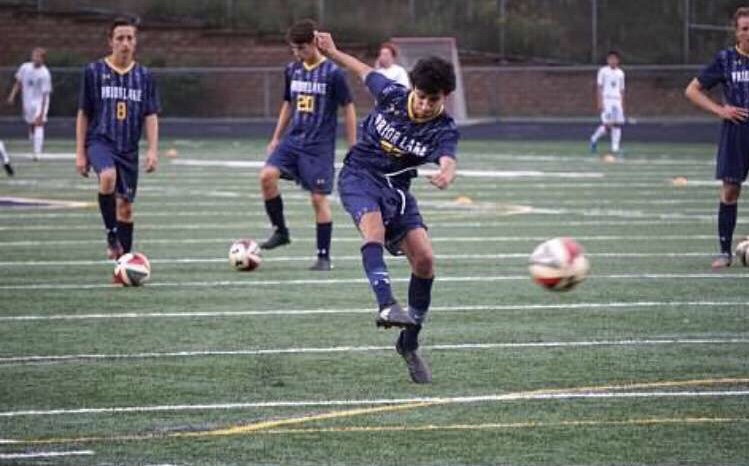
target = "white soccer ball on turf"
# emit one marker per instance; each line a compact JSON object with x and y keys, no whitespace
{"x":132,"y":269}
{"x":244,"y":255}
{"x":559,"y":264}
{"x":742,"y":252}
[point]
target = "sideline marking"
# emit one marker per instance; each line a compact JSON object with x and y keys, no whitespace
{"x":512,"y":396}
{"x":339,"y":281}
{"x":440,"y":309}
{"x":78,"y":358}
{"x":44,"y":454}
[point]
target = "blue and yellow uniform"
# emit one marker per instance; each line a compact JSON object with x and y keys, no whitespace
{"x":730,"y":68}
{"x":307,"y":152}
{"x":377,"y":171}
{"x":116,"y":102}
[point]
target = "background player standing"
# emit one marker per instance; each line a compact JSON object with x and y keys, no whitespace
{"x":386,"y":65}
{"x":314,"y":89}
{"x":35,"y":83}
{"x":610,"y":102}
{"x":730,"y":68}
{"x":404,"y":130}
{"x":118,"y":98}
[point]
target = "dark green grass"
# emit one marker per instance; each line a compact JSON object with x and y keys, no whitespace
{"x":188,"y":212}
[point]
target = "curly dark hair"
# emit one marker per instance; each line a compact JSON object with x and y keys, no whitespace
{"x":432,"y":75}
{"x":302,"y":32}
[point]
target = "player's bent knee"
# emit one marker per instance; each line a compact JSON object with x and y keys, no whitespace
{"x":423,"y":264}
{"x":124,"y":210}
{"x":107,"y":180}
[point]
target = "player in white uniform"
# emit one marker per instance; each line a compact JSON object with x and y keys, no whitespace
{"x":6,"y":160}
{"x":386,"y":65}
{"x":35,"y":83}
{"x":610,"y":101}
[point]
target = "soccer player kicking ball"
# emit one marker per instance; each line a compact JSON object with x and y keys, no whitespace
{"x":404,"y":130}
{"x":730,"y":69}
{"x":610,"y":102}
{"x":315,"y":88}
{"x":118,"y":98}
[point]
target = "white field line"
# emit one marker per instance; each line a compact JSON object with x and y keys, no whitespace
{"x":440,"y":239}
{"x":307,"y":258}
{"x":250,"y":283}
{"x":438,"y":226}
{"x":498,"y":398}
{"x":367,"y":349}
{"x":438,"y":309}
{"x":43,"y":454}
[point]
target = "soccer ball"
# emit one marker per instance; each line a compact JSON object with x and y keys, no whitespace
{"x":559,"y":264}
{"x":132,"y":269}
{"x":244,"y":255}
{"x":742,"y":252}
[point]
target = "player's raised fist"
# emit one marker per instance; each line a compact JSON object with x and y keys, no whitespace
{"x":324,"y":42}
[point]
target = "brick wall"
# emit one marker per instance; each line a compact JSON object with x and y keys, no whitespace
{"x":506,"y":92}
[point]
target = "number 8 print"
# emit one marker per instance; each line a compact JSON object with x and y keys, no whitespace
{"x":121,"y":110}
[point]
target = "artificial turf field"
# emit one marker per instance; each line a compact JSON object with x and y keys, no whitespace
{"x":647,"y":362}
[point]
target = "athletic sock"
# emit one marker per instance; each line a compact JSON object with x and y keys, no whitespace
{"x":38,"y":139}
{"x":125,"y":234}
{"x":726,"y":225}
{"x":274,"y":209}
{"x":600,"y":131}
{"x":108,"y":209}
{"x":419,"y":299}
{"x":372,"y":255}
{"x":616,"y":137}
{"x":324,"y":232}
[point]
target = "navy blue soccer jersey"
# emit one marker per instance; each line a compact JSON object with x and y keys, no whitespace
{"x":315,"y":93}
{"x":117,"y":103}
{"x":731,"y":69}
{"x":392,"y":140}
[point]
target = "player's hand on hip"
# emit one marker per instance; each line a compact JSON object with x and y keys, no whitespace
{"x":734,"y":114}
{"x":324,"y":42}
{"x":81,"y":164}
{"x":152,"y":161}
{"x":446,"y":173}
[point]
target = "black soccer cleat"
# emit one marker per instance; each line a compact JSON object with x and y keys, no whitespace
{"x":322,"y":264}
{"x":278,"y":238}
{"x":9,"y":169}
{"x":394,"y":316}
{"x":418,"y":369}
{"x":114,"y":248}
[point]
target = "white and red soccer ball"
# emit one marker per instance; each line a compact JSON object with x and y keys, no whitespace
{"x":742,"y":252}
{"x":244,"y":255}
{"x":559,"y":264}
{"x":132,"y":269}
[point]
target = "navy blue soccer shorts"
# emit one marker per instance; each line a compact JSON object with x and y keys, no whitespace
{"x":311,"y":167}
{"x":362,"y":192}
{"x":102,"y":156}
{"x":733,"y":153}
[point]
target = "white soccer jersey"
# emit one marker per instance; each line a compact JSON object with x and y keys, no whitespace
{"x":35,"y":83}
{"x":397,"y":73}
{"x":611,"y":82}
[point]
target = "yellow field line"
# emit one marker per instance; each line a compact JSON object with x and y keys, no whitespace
{"x":512,"y":425}
{"x":269,"y":426}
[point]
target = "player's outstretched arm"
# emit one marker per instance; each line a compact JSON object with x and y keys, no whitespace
{"x":325,"y":44}
{"x":695,"y":94}
{"x":16,"y":88}
{"x":152,"y":137}
{"x":446,"y":173}
{"x":81,"y":126}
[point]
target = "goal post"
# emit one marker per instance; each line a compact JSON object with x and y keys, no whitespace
{"x":411,"y":49}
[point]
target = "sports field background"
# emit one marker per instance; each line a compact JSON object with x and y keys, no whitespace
{"x":647,"y":362}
